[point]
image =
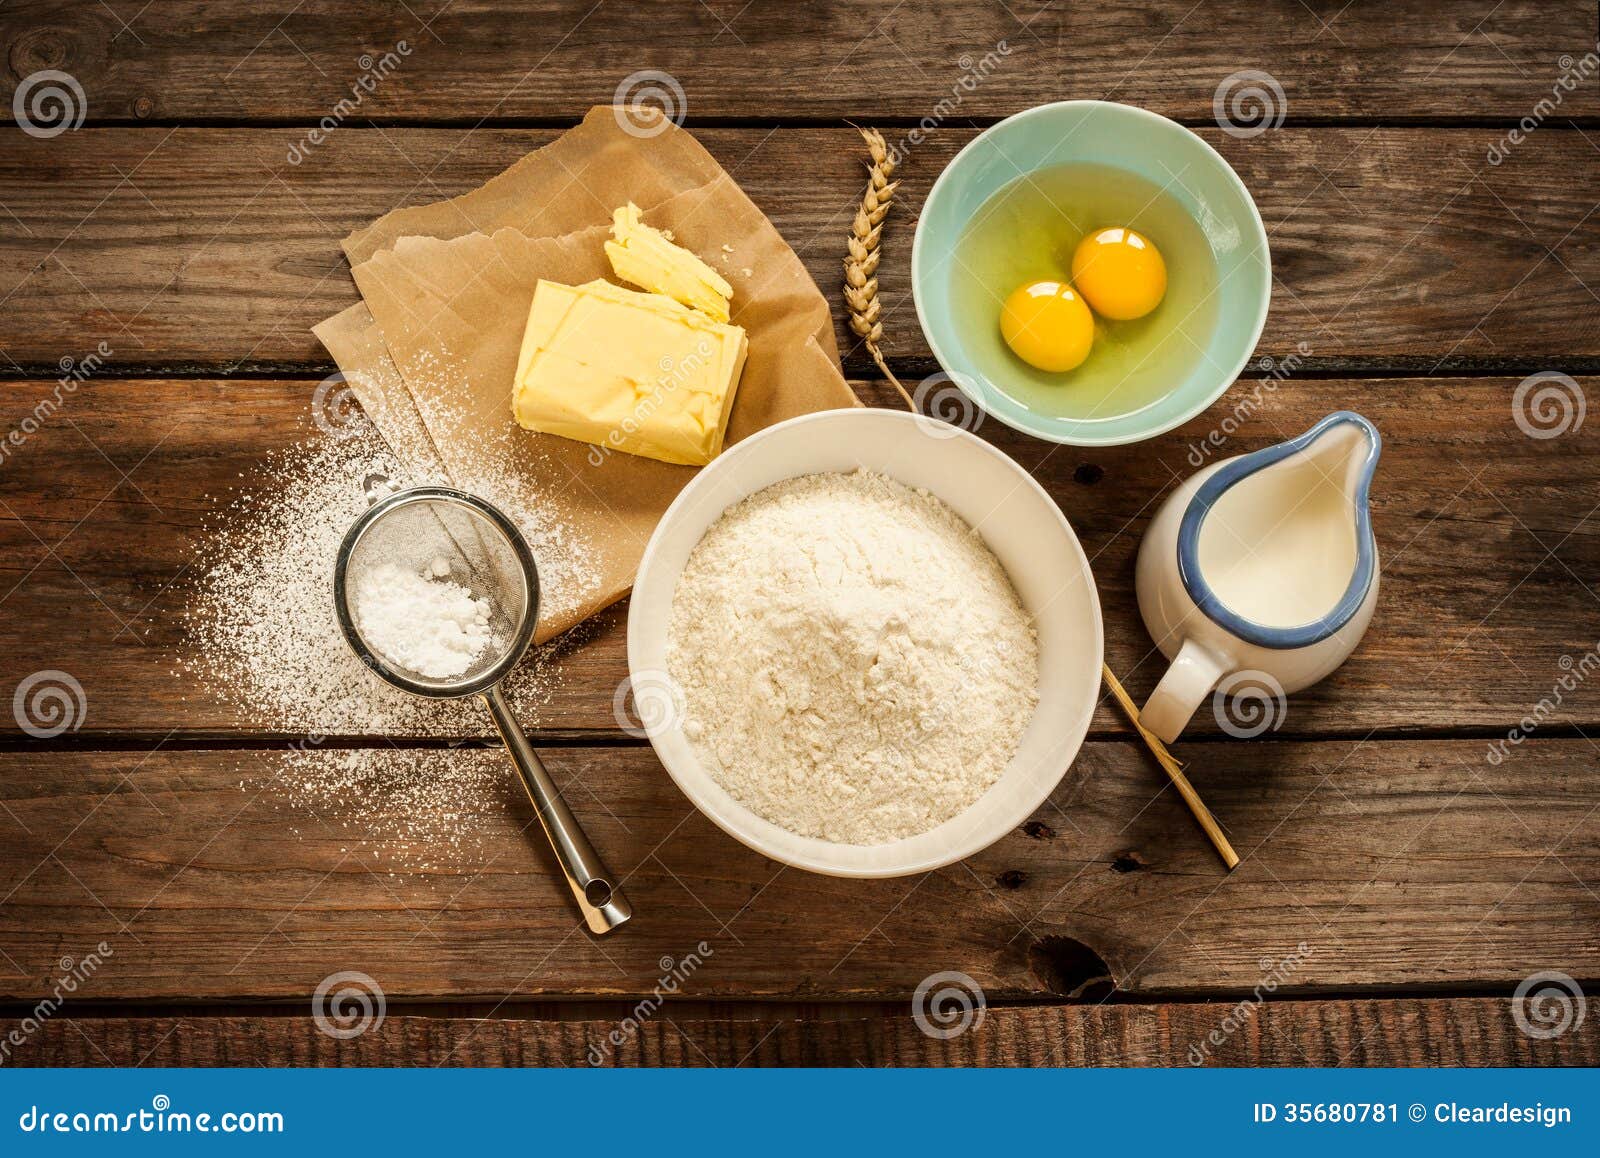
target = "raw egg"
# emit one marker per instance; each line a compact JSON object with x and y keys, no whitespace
{"x":1119,"y":273}
{"x":1047,"y":325}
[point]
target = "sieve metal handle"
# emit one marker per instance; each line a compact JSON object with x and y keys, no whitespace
{"x":603,"y":905}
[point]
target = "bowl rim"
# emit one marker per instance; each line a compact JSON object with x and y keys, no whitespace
{"x":1026,"y":804}
{"x":1043,"y":430}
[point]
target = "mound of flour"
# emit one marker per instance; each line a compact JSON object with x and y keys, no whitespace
{"x":854,"y":662}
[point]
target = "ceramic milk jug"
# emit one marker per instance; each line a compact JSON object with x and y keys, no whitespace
{"x":1261,"y":568}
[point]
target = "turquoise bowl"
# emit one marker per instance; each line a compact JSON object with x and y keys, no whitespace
{"x":1151,"y":147}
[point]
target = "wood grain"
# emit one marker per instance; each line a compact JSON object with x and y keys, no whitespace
{"x":506,"y":60}
{"x":1386,"y":849}
{"x":1486,"y":536}
{"x":229,"y":875}
{"x":182,"y":247}
{"x":1473,"y":1031}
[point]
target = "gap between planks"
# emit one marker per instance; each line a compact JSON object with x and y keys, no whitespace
{"x":860,"y":367}
{"x":572,"y":738}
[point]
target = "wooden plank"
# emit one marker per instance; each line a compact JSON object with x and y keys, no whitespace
{"x":206,"y":247}
{"x":837,"y":59}
{"x":1486,"y":539}
{"x":230,"y":875}
{"x":1467,"y":1031}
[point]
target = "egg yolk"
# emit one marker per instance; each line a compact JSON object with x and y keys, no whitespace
{"x":1119,"y":273}
{"x":1047,"y":325}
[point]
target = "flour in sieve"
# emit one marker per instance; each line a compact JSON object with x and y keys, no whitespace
{"x":421,"y":620}
{"x":855,"y":664}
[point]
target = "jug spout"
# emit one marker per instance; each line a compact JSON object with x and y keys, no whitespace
{"x":1346,"y":446}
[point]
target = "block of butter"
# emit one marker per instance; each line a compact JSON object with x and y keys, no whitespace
{"x":629,"y":371}
{"x":643,"y":256}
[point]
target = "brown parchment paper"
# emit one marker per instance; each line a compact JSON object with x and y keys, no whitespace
{"x":353,"y":338}
{"x":446,"y":291}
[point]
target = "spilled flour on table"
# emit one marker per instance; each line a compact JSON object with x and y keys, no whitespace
{"x":260,"y":633}
{"x":397,"y":810}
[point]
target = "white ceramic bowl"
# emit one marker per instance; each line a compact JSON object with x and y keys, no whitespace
{"x":1021,"y":525}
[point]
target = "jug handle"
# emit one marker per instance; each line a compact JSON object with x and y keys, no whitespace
{"x":1194,"y":672}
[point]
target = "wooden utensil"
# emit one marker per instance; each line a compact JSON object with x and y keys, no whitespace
{"x":1174,"y":772}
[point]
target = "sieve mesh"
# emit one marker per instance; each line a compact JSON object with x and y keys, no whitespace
{"x":423,"y":531}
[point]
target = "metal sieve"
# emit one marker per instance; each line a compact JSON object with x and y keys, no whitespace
{"x":427,"y":529}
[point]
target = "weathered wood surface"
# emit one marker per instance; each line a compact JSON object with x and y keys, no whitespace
{"x":463,"y":63}
{"x":1487,"y":539}
{"x":223,"y":875}
{"x":1374,"y":830}
{"x":206,"y":247}
{"x":1469,"y":1031}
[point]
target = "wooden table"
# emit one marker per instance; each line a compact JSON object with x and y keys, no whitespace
{"x":1417,"y":278}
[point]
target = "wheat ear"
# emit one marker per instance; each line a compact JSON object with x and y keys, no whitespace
{"x":861,"y":262}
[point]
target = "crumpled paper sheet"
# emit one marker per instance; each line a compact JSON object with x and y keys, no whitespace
{"x":432,"y":350}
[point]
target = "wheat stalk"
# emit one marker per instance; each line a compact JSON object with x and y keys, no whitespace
{"x":861,"y":260}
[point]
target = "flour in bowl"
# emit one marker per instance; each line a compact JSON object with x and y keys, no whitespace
{"x":854,"y":662}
